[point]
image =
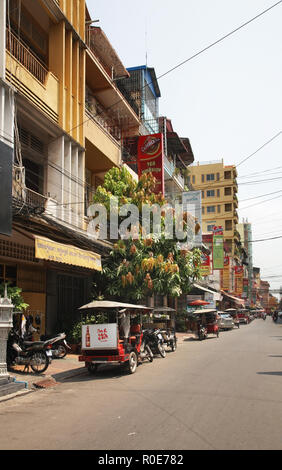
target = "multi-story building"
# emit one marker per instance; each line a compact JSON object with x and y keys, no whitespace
{"x":218,"y":185}
{"x":245,"y":231}
{"x":65,"y":120}
{"x":264,"y":294}
{"x":141,"y":87}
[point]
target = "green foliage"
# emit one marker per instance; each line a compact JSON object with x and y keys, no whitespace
{"x":74,"y":336}
{"x":14,"y":293}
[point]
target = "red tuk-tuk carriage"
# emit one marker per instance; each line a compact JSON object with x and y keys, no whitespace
{"x":243,"y":315}
{"x":203,"y":322}
{"x":112,"y":334}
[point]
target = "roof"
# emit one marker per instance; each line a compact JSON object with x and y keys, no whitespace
{"x":152,"y":72}
{"x":112,"y":304}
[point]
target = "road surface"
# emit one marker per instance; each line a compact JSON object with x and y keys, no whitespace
{"x":221,"y":393}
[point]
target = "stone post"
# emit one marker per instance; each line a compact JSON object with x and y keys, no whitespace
{"x":6,"y":323}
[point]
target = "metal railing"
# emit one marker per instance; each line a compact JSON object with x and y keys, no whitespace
{"x":25,"y":57}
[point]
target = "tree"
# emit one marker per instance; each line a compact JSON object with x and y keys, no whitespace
{"x":141,"y":266}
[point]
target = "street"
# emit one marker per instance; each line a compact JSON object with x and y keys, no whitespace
{"x":223,"y":393}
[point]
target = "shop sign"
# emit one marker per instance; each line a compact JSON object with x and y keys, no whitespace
{"x":217,"y":248}
{"x":67,"y":254}
{"x":205,"y":268}
{"x":151,"y":158}
{"x":103,"y":336}
{"x":225,"y":276}
{"x":239,"y":275}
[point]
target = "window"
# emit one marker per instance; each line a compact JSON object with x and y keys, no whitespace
{"x":228,"y":207}
{"x":210,"y":193}
{"x":218,"y":209}
{"x":8,"y":273}
{"x":203,"y":178}
{"x":218,"y":192}
{"x":210,"y":177}
{"x":217,"y":176}
{"x":227,"y":191}
{"x":210,"y":209}
{"x":227,"y":175}
{"x":210,"y":227}
{"x":228,"y":225}
{"x":193,"y":179}
{"x":203,"y":194}
{"x":203,"y":210}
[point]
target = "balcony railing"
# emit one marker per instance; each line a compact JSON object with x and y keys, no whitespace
{"x":25,"y":196}
{"x":25,"y":57}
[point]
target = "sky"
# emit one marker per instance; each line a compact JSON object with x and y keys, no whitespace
{"x":227,"y":101}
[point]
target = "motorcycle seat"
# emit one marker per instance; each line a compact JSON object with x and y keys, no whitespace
{"x":33,"y":343}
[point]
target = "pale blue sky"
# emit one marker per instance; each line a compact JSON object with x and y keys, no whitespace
{"x":228,"y":101}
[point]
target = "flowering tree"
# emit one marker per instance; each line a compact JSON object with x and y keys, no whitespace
{"x":145,"y":264}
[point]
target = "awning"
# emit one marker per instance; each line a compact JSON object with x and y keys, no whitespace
{"x":217,"y":295}
{"x":235,"y":299}
{"x":68,"y":254}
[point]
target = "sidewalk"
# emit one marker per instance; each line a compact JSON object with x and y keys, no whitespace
{"x":58,"y":370}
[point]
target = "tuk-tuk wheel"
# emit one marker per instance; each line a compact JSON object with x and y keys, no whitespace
{"x":132,"y":362}
{"x":173,"y":345}
{"x":92,"y":368}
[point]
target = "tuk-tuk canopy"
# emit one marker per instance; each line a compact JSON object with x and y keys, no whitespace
{"x":164,"y":309}
{"x":109,"y":304}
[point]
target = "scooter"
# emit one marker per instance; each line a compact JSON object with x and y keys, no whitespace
{"x":59,"y":346}
{"x":156,"y":342}
{"x":145,"y":350}
{"x":34,"y":354}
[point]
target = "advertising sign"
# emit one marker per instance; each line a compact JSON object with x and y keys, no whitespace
{"x":217,"y":248}
{"x":151,"y":158}
{"x":239,"y":275}
{"x":102,"y":336}
{"x":205,"y":268}
{"x":192,"y":203}
{"x":225,"y":284}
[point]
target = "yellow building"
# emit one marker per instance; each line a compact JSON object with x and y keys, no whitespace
{"x":218,"y":185}
{"x":69,"y":120}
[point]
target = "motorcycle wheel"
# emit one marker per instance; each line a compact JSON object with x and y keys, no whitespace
{"x":39,"y":362}
{"x":173,"y":345}
{"x":150,"y":355}
{"x":132,"y":362}
{"x":62,"y":351}
{"x":161,"y":350}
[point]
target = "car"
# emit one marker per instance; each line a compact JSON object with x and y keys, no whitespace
{"x":225,"y":321}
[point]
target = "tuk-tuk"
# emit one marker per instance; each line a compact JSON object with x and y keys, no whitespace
{"x":234,"y":314}
{"x":203,"y":322}
{"x":243,"y":315}
{"x":163,"y":318}
{"x":115,"y":337}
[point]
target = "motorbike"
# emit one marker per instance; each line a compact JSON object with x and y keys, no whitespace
{"x":156,"y":342}
{"x":59,"y":346}
{"x":145,"y":350}
{"x":34,"y":354}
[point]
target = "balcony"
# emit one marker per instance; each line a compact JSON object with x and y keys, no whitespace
{"x":26,"y":57}
{"x":25,"y":197}
{"x":172,"y":172}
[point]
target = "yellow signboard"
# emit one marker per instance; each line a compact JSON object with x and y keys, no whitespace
{"x":67,"y":254}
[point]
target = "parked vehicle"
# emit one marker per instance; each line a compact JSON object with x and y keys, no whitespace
{"x":34,"y":354}
{"x":59,"y":345}
{"x":203,"y":322}
{"x":118,"y":339}
{"x":244,"y":316}
{"x":156,"y":341}
{"x":234,"y":314}
{"x":225,"y":321}
{"x":163,"y":318}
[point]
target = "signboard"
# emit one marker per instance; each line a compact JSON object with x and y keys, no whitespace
{"x":239,"y":275}
{"x":192,"y":203}
{"x":6,"y":159}
{"x":225,"y":278}
{"x":205,"y":268}
{"x":103,"y":336}
{"x":151,"y":158}
{"x":68,"y":254}
{"x":217,"y":248}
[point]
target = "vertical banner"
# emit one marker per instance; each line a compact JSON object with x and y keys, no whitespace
{"x":151,"y":158}
{"x":239,"y":275}
{"x":205,"y":268}
{"x":217,"y":248}
{"x":225,"y":279}
{"x":192,"y":203}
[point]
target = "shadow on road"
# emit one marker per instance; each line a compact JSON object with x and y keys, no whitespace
{"x":270,"y":373}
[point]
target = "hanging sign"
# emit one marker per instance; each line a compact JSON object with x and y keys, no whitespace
{"x":217,"y":248}
{"x":225,"y":278}
{"x":239,"y":276}
{"x":151,"y":158}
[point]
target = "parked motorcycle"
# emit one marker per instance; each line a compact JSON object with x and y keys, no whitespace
{"x":34,"y":354}
{"x":145,"y":350}
{"x":59,"y":346}
{"x":156,"y":342}
{"x":202,"y":332}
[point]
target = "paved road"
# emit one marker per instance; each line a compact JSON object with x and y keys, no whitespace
{"x":223,"y":393}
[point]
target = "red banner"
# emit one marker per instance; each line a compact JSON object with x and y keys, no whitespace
{"x":151,"y":158}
